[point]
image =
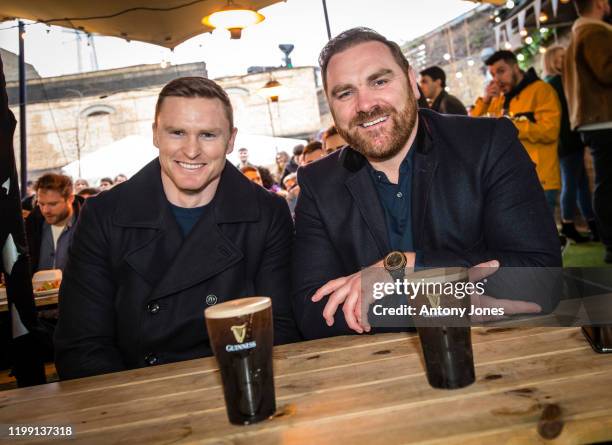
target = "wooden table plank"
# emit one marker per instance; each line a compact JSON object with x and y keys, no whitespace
{"x":335,"y":385}
{"x":294,"y":358}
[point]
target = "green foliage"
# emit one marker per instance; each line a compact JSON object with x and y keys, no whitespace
{"x":529,"y":51}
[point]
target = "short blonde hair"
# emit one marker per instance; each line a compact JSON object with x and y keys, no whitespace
{"x":547,"y":61}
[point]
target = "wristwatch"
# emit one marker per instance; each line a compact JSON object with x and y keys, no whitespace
{"x":395,"y":263}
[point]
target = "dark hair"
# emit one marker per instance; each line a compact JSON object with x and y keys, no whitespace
{"x":191,"y":87}
{"x":90,"y":191}
{"x":311,"y":147}
{"x":109,"y":180}
{"x":266,"y":177}
{"x":329,"y":132}
{"x":583,"y":6}
{"x":56,"y":182}
{"x":506,"y":56}
{"x":436,"y":73}
{"x":298,"y":149}
{"x":355,"y":36}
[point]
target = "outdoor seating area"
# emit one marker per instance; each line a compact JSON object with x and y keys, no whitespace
{"x":298,"y":222}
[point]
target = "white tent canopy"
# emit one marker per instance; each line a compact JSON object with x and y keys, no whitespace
{"x":130,"y":154}
{"x":127,"y":156}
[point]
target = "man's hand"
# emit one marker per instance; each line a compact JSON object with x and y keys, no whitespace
{"x":510,"y":307}
{"x":491,"y":91}
{"x":347,"y":291}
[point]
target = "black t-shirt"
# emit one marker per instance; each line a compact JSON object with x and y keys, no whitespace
{"x":187,"y":217}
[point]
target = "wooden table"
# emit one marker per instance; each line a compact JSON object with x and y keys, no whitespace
{"x":534,"y":385}
{"x":47,"y":300}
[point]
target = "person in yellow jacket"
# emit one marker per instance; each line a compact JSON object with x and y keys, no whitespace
{"x":534,"y":107}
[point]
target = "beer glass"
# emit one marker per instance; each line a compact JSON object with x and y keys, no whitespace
{"x":241,"y":337}
{"x":446,"y":340}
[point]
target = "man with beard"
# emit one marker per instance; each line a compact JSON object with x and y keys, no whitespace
{"x":49,"y":227}
{"x":533,"y":107}
{"x":435,"y":190}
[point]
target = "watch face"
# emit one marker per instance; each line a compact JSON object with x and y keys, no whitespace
{"x":395,"y":260}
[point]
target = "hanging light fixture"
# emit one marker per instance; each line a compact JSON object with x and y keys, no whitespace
{"x":543,"y":17}
{"x":272,"y":90}
{"x":234,"y":18}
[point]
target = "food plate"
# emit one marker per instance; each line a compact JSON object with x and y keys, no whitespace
{"x":44,"y":293}
{"x":46,"y":282}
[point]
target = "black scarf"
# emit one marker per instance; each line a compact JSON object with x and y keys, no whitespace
{"x":529,"y":78}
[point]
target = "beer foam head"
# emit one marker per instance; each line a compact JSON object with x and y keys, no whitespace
{"x":238,"y":308}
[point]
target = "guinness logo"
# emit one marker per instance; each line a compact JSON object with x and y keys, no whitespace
{"x":239,"y":332}
{"x":434,"y":300}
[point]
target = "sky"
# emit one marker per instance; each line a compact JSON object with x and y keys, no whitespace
{"x":300,"y":22}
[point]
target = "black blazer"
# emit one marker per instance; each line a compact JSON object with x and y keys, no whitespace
{"x":475,"y":197}
{"x":134,"y":292}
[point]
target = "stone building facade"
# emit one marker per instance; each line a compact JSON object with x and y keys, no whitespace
{"x":71,"y":116}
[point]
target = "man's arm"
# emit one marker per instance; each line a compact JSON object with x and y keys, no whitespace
{"x":490,"y":103}
{"x":274,"y":274}
{"x":547,"y":114}
{"x":452,"y":105}
{"x":315,"y":262}
{"x":597,"y":52}
{"x":518,"y":229}
{"x":85,"y":335}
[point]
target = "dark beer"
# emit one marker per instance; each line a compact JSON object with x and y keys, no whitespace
{"x":445,"y":339}
{"x":241,"y":337}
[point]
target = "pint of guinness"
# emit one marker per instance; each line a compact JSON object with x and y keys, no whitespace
{"x":241,"y":337}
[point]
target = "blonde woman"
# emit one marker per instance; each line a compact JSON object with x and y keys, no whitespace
{"x":574,"y":180}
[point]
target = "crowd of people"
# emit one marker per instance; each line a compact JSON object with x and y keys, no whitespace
{"x":392,"y":177}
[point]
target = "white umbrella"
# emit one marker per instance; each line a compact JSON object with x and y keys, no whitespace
{"x":130,"y":154}
{"x":127,"y":156}
{"x":262,"y":149}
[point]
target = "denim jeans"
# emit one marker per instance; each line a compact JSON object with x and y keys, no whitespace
{"x":551,"y":199}
{"x":600,"y":143}
{"x":575,"y":187}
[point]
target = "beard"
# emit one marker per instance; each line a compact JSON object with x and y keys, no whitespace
{"x":391,"y":144}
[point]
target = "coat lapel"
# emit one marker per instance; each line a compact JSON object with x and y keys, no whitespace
{"x":204,"y":253}
{"x":425,"y":163}
{"x":364,"y":194}
{"x":163,"y":258}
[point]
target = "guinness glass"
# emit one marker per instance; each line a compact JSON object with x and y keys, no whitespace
{"x":241,"y":337}
{"x":446,"y":340}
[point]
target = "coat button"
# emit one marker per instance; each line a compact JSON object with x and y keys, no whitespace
{"x":151,"y":360}
{"x":153,"y":307}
